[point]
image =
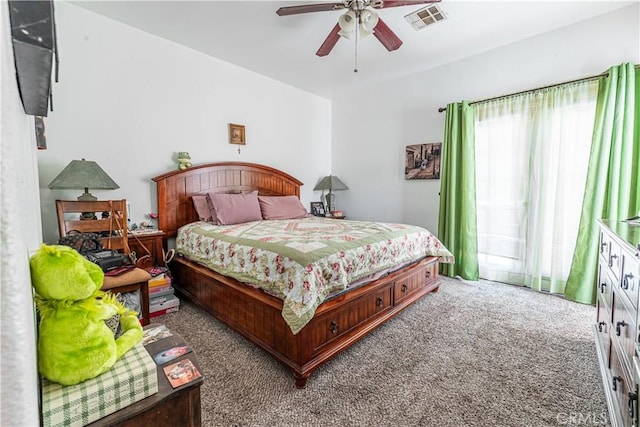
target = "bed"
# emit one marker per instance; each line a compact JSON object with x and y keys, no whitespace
{"x":333,"y":325}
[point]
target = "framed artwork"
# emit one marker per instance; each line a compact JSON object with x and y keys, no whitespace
{"x":41,"y":135}
{"x":422,"y":161}
{"x":236,"y":134}
{"x":317,"y":209}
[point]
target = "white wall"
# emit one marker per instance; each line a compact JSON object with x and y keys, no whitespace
{"x":19,"y":236}
{"x":130,"y":101}
{"x":369,"y":156}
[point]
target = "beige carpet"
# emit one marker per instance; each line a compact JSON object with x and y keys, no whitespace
{"x":473,"y":354}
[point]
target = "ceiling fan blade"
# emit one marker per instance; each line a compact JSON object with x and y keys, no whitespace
{"x":329,"y":42}
{"x":307,"y":8}
{"x":392,"y":3}
{"x":387,"y":37}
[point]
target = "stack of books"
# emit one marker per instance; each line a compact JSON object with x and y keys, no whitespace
{"x":161,"y":296}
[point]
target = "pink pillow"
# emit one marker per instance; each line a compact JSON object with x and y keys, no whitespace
{"x":234,"y":208}
{"x":201,"y":206}
{"x":281,"y":207}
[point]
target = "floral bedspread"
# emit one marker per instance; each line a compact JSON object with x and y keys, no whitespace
{"x":304,"y":260}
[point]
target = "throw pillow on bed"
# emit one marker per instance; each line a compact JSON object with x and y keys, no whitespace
{"x":234,"y":208}
{"x":281,"y":207}
{"x":201,"y":205}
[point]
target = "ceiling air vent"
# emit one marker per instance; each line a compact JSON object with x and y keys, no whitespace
{"x":425,"y":16}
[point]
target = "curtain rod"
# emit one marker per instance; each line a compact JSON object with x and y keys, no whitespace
{"x":584,"y":79}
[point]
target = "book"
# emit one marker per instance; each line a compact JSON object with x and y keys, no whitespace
{"x":181,"y":372}
{"x":161,"y":290}
{"x":168,"y":355}
{"x":158,"y":281}
{"x":155,"y":271}
{"x":155,"y":334}
{"x":164,"y":311}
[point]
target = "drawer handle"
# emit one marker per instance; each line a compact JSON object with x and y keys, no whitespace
{"x":600,"y":325}
{"x":615,"y":382}
{"x":633,"y":405}
{"x":603,"y":246}
{"x":625,"y":281}
{"x":611,"y":258}
{"x":403,"y":288}
{"x":602,"y":286}
{"x":379,"y":302}
{"x":427,"y":274}
{"x":333,"y":327}
{"x":619,"y":325}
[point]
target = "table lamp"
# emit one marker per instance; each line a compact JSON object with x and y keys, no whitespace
{"x":83,"y":174}
{"x":331,"y":183}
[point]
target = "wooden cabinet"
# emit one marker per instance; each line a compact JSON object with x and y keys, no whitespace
{"x":616,"y":328}
{"x":152,"y":241}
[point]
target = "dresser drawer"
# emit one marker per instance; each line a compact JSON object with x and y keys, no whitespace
{"x":629,"y":277}
{"x":605,"y":241}
{"x":603,"y":328}
{"x":614,"y":258}
{"x":623,"y":329}
{"x":605,"y":286}
{"x":621,"y":385}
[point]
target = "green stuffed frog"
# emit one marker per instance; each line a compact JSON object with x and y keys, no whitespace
{"x":74,"y":342}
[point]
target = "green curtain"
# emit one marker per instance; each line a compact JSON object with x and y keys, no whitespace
{"x":612,"y":190}
{"x":457,"y":228}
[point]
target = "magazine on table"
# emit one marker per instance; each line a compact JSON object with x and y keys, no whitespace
{"x":181,"y":373}
{"x":168,"y":355}
{"x":155,"y":334}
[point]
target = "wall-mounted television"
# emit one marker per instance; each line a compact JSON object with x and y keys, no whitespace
{"x":34,"y":46}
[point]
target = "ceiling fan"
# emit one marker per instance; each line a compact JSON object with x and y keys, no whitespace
{"x":359,"y":17}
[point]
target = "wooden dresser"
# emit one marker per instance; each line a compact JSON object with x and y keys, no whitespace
{"x":616,"y":329}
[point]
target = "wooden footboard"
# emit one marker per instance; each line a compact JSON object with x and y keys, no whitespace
{"x":337,"y":324}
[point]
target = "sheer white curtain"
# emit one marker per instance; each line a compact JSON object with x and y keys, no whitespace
{"x":532,"y":152}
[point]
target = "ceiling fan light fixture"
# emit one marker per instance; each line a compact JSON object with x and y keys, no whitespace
{"x":368,"y":21}
{"x":347,"y":23}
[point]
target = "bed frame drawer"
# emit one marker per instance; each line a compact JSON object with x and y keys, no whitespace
{"x":346,"y":318}
{"x":414,"y":282}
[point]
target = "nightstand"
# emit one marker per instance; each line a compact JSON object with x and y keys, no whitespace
{"x":152,"y":240}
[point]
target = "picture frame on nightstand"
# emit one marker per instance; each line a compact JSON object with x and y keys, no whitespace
{"x":317,"y":209}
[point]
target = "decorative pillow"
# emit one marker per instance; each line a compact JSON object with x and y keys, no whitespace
{"x":234,"y":208}
{"x":281,"y":207}
{"x":201,"y":206}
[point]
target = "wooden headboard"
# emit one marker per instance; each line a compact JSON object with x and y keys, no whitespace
{"x":175,"y":188}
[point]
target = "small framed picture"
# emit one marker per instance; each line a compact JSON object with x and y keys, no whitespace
{"x":317,"y":209}
{"x":236,"y":134}
{"x":41,"y":135}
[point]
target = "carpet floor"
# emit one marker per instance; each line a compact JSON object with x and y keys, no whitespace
{"x":473,"y":354}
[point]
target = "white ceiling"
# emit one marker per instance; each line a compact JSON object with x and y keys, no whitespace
{"x":251,"y":35}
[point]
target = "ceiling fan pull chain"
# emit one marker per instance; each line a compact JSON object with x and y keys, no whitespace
{"x":355,"y":70}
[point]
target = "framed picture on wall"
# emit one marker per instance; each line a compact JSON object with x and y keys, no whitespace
{"x":41,"y":135}
{"x":422,"y":161}
{"x":236,"y":134}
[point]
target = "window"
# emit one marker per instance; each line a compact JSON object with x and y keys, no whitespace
{"x":532,"y":153}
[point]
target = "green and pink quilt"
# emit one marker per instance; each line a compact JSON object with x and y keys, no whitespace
{"x":305,"y":260}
